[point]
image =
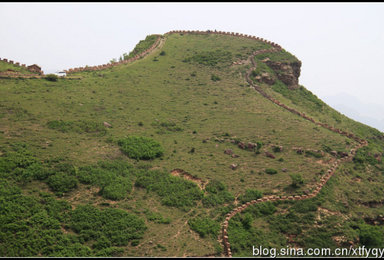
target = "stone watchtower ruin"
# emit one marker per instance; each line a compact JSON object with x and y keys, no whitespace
{"x":35,"y":69}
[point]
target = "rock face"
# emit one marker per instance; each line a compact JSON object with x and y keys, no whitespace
{"x":287,"y":72}
{"x":266,"y":78}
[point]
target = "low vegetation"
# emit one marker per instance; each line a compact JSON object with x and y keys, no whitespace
{"x":81,"y":126}
{"x":173,"y":191}
{"x":72,"y":186}
{"x":140,"y":148}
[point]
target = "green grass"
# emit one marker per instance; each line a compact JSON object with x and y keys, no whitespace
{"x":52,"y":140}
{"x":5,"y":66}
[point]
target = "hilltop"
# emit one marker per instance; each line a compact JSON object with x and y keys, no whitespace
{"x":193,"y":144}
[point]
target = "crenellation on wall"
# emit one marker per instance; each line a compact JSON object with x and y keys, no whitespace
{"x":109,"y":65}
{"x":323,"y":180}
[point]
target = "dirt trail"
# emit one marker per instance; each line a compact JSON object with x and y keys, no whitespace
{"x":181,"y":173}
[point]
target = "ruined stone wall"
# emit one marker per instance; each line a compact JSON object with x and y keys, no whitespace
{"x":11,"y":74}
{"x":15,"y":74}
{"x":110,"y":65}
{"x":313,"y":191}
{"x":275,"y":45}
{"x":138,"y":56}
{"x":17,"y":64}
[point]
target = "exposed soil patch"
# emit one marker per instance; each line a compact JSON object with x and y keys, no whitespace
{"x":181,"y":173}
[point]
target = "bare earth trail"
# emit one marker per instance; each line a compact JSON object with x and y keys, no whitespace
{"x":360,"y":143}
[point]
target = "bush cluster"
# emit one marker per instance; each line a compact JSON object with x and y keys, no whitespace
{"x":250,"y":194}
{"x":51,"y":77}
{"x":217,"y":194}
{"x":80,"y":126}
{"x":140,"y":148}
{"x":156,"y":217}
{"x":204,"y":226}
{"x":313,"y":154}
{"x":270,"y":171}
{"x":363,"y":156}
{"x":173,"y":191}
{"x":297,"y":180}
{"x":140,"y":47}
{"x":211,"y":58}
{"x":108,"y":227}
{"x":165,"y":127}
{"x":113,"y":178}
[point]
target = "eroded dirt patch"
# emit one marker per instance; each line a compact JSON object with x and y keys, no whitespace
{"x":181,"y":173}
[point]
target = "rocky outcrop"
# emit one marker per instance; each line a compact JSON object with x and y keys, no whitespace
{"x":324,"y":179}
{"x":287,"y":72}
{"x":266,"y":78}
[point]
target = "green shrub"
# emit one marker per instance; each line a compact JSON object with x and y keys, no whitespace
{"x":363,"y":156}
{"x":140,"y":148}
{"x":217,"y":194}
{"x":113,"y":178}
{"x":111,"y":226}
{"x":61,"y":182}
{"x":174,"y":191}
{"x":297,"y":180}
{"x":156,"y":217}
{"x":51,"y":77}
{"x":287,"y":224}
{"x":141,"y":46}
{"x":117,"y":189}
{"x":204,"y":226}
{"x":30,"y":225}
{"x":304,"y":206}
{"x":250,"y":194}
{"x":80,"y":126}
{"x":313,"y":154}
{"x":215,"y":77}
{"x":167,"y":126}
{"x":371,"y":236}
{"x":270,"y":171}
{"x":276,"y":149}
{"x":319,"y":238}
{"x":211,"y":58}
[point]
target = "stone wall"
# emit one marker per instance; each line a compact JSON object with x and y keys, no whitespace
{"x":313,"y":191}
{"x":14,"y":74}
{"x":275,"y":45}
{"x":17,"y":64}
{"x":110,"y":65}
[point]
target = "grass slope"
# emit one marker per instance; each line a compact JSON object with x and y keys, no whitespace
{"x":190,"y":99}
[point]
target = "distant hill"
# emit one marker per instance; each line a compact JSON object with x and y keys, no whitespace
{"x":166,"y":153}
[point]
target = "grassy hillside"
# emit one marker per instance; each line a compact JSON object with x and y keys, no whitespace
{"x":59,"y":161}
{"x":7,"y":67}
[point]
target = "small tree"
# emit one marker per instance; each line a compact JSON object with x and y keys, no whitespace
{"x":270,"y":171}
{"x":51,"y":77}
{"x":215,"y":77}
{"x":297,"y":180}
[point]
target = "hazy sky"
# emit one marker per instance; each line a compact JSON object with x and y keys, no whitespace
{"x":340,"y":45}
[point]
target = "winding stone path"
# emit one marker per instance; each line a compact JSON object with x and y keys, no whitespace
{"x":324,"y":179}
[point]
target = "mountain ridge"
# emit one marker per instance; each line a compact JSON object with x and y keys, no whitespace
{"x":233,"y":134}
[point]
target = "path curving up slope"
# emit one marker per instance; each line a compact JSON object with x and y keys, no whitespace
{"x":360,"y":143}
